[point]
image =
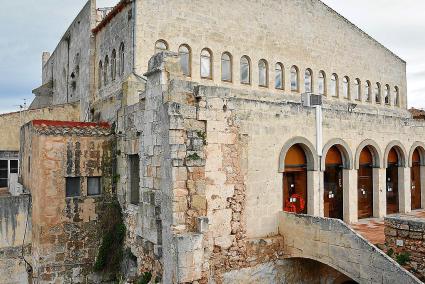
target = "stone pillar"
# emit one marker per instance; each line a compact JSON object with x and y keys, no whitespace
{"x":350,"y":198}
{"x":379,"y":192}
{"x":313,"y":192}
{"x":404,"y":190}
{"x":322,"y":194}
{"x":422,"y":186}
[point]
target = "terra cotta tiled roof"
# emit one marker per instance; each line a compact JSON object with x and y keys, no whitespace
{"x":67,"y":128}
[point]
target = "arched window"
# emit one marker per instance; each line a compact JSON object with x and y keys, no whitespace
{"x":367,"y":92}
{"x":226,"y":67}
{"x":122,"y":57}
{"x":105,"y":70}
{"x":294,"y":79}
{"x":322,"y":83}
{"x":263,"y":76}
{"x":185,"y":59}
{"x":396,"y":96}
{"x":245,"y":70}
{"x":161,"y":45}
{"x":114,"y":65}
{"x":357,"y":89}
{"x":279,"y":81}
{"x":334,"y":85}
{"x":206,"y":64}
{"x":346,"y":87}
{"x":100,"y":75}
{"x":308,"y":83}
{"x":387,"y":95}
{"x":378,"y":93}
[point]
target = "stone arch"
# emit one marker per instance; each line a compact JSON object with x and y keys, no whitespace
{"x":400,"y":150}
{"x":421,"y":147}
{"x":309,"y":150}
{"x":374,"y":149}
{"x":343,"y":147}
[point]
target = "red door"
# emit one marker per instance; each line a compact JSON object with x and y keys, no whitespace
{"x":416,"y":181}
{"x":365,"y":185}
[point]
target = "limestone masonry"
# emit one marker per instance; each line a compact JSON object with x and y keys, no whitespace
{"x":209,"y":142}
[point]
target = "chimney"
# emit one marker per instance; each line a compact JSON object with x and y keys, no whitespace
{"x":44,"y":58}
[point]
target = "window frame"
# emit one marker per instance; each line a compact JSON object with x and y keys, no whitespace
{"x":189,"y":58}
{"x":248,"y":61}
{"x":335,"y":89}
{"x":295,"y":88}
{"x":378,"y":95}
{"x":230,"y":62}
{"x":266,"y":75}
{"x":99,"y":185}
{"x":346,"y":88}
{"x":75,"y":179}
{"x":158,"y":48}
{"x":387,"y":95}
{"x":310,"y":74}
{"x":134,"y":193}
{"x":113,"y":65}
{"x":322,"y":80}
{"x":121,"y":59}
{"x":210,"y":62}
{"x":100,"y":75}
{"x":105,"y":71}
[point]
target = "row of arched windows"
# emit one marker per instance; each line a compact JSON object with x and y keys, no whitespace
{"x":348,"y":91}
{"x":110,"y":69}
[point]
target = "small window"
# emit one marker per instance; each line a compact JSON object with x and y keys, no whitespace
{"x":322,"y":83}
{"x":346,"y":87}
{"x":114,"y":65}
{"x":294,"y":79}
{"x":105,"y":71}
{"x":206,"y":64}
{"x":357,"y":89}
{"x":263,"y":80}
{"x":367,"y":92}
{"x":279,"y":76}
{"x":134,"y":174}
{"x":14,"y":166}
{"x":245,"y":70}
{"x":378,"y":93}
{"x":122,"y":57}
{"x":4,"y":173}
{"x":73,"y":187}
{"x":100,"y":75}
{"x":308,"y":84}
{"x":93,"y":186}
{"x":334,"y":85}
{"x":161,"y":45}
{"x":396,"y":96}
{"x":387,"y":95}
{"x":226,"y":67}
{"x":185,"y":60}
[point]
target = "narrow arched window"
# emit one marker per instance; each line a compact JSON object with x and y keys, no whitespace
{"x":114,"y":65}
{"x":294,"y":79}
{"x":206,"y":64}
{"x":367,"y":92}
{"x":377,"y":93}
{"x":100,"y":75}
{"x":161,"y":45}
{"x":387,"y":95}
{"x":322,"y":83}
{"x":279,"y":80}
{"x":185,"y":59}
{"x":357,"y":89}
{"x":105,"y":70}
{"x":263,"y":76}
{"x":396,"y":96}
{"x":308,"y":83}
{"x":334,"y":85}
{"x":346,"y":87}
{"x":245,"y":70}
{"x":226,"y":67}
{"x":122,"y":57}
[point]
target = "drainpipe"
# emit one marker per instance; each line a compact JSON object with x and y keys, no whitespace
{"x":134,"y":34}
{"x":319,"y":130}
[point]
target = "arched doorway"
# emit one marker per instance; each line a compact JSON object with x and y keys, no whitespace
{"x":392,"y":182}
{"x":333,"y":184}
{"x":365,"y":184}
{"x":295,"y":180}
{"x":416,"y":180}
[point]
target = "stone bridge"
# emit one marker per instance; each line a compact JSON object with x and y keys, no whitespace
{"x":333,"y":243}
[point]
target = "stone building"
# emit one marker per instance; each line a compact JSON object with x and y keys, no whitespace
{"x":226,"y":120}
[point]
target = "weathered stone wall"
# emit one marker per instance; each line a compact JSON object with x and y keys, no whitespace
{"x":11,"y":122}
{"x":15,"y":232}
{"x":65,"y":235}
{"x":314,"y":37}
{"x":407,"y":236}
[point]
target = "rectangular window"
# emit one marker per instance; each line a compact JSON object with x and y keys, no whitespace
{"x":14,"y":168}
{"x":93,"y":186}
{"x":4,"y":168}
{"x":134,"y":173}
{"x":73,"y":188}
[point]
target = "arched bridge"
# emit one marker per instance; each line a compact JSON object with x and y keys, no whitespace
{"x":333,"y":243}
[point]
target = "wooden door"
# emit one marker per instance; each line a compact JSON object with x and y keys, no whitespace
{"x":416,"y":186}
{"x":295,"y":182}
{"x":365,"y":191}
{"x":392,"y":189}
{"x":333,"y":195}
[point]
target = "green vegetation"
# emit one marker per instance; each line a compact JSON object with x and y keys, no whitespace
{"x":390,"y":252}
{"x":403,"y":258}
{"x":193,"y":157}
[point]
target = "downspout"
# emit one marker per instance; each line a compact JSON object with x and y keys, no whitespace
{"x":134,"y":34}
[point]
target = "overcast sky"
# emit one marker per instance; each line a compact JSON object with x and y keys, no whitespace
{"x":28,"y":27}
